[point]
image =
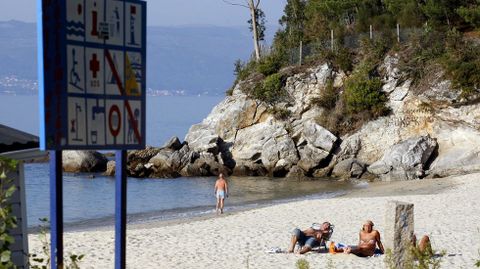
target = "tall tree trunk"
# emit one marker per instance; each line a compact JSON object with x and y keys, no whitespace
{"x":253,"y":9}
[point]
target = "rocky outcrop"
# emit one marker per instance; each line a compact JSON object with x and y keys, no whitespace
{"x":405,"y":160}
{"x":426,"y":134}
{"x":78,"y":161}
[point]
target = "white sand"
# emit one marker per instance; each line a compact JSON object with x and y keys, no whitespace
{"x":451,"y":217}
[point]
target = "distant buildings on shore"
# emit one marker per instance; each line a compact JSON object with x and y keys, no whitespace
{"x":13,"y":85}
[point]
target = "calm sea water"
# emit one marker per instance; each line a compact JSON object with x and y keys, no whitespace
{"x":90,"y":201}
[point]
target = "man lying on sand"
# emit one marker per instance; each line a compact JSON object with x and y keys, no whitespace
{"x":310,"y":238}
{"x":368,"y":240}
{"x":424,"y":246}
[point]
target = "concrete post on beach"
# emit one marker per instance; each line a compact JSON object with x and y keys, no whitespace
{"x":399,"y":228}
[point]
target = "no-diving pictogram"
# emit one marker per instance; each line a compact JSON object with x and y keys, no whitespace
{"x":131,"y":116}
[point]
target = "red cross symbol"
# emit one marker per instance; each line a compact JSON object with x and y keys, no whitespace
{"x":94,"y":65}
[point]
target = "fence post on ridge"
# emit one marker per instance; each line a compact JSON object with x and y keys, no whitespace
{"x":331,"y":37}
{"x":398,"y":32}
{"x":300,"y":57}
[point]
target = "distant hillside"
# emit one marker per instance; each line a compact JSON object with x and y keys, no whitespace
{"x":195,"y":59}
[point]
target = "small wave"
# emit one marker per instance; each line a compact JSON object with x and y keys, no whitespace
{"x":75,"y":32}
{"x":74,"y":24}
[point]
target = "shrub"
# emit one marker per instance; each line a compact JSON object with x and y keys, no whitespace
{"x":7,"y":220}
{"x":328,"y":98}
{"x":302,"y":264}
{"x":462,"y":63}
{"x":424,"y":48}
{"x":270,"y":64}
{"x":280,"y":113}
{"x":363,"y":93}
{"x":416,"y":259}
{"x":42,"y":261}
{"x":243,"y":70}
{"x":373,"y":51}
{"x":270,"y":90}
{"x":340,"y":59}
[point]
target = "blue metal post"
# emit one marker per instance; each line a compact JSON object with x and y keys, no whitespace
{"x":56,"y":209}
{"x":120,"y":209}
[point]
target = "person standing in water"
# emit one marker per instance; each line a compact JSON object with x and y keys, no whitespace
{"x":221,"y":191}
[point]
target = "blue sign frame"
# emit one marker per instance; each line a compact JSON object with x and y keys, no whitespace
{"x":54,"y":73}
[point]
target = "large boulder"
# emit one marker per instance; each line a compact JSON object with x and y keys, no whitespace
{"x":305,"y":88}
{"x":405,"y":160}
{"x":458,"y":151}
{"x":349,"y":168}
{"x":314,"y":143}
{"x":110,"y":172}
{"x":80,"y":161}
{"x":233,"y":113}
{"x":137,"y":162}
{"x":169,"y":163}
{"x":264,"y":144}
{"x":205,"y":165}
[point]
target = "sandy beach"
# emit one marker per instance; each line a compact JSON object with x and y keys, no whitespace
{"x":447,"y":209}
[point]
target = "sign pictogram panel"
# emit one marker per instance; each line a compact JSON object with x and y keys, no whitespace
{"x":92,"y":71}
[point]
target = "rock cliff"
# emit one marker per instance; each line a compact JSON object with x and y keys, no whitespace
{"x":430,"y":131}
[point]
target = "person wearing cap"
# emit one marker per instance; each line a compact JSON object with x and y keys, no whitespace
{"x":369,"y":239}
{"x":310,"y":238}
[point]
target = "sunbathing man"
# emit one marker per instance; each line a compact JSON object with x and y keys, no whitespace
{"x":368,"y":240}
{"x":310,"y":238}
{"x":424,"y":246}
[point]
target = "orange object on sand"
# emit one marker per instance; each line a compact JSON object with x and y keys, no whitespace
{"x":331,"y":248}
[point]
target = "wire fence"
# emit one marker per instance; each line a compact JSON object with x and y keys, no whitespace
{"x":351,"y":41}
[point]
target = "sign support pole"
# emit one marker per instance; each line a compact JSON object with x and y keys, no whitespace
{"x":56,"y":210}
{"x":120,"y":209}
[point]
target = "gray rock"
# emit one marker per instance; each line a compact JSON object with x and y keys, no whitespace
{"x":201,"y":137}
{"x":173,"y":144}
{"x":110,"y":172}
{"x":249,"y":169}
{"x":169,"y":163}
{"x":458,"y":151}
{"x":318,"y":136}
{"x":296,"y":172}
{"x":399,"y":228}
{"x":405,"y":160}
{"x":311,"y":157}
{"x":264,"y":143}
{"x":79,"y":161}
{"x":349,"y":168}
{"x":205,"y":165}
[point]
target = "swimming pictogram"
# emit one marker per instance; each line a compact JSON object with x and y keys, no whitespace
{"x":75,"y":26}
{"x":74,"y":76}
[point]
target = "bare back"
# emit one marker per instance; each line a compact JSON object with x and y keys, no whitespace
{"x":221,"y":184}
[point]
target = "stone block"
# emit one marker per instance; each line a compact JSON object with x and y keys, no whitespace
{"x":399,"y":227}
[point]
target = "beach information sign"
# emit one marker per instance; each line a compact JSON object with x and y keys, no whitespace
{"x":92,"y":68}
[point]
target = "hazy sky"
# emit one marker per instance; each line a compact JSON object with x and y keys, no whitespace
{"x":167,"y":12}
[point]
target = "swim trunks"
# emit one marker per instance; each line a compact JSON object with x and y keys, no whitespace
{"x":221,"y":194}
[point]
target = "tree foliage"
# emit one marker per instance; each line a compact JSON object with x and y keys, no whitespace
{"x":7,"y":220}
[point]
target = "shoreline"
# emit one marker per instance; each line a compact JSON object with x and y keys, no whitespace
{"x":444,"y":208}
{"x":154,"y":219}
